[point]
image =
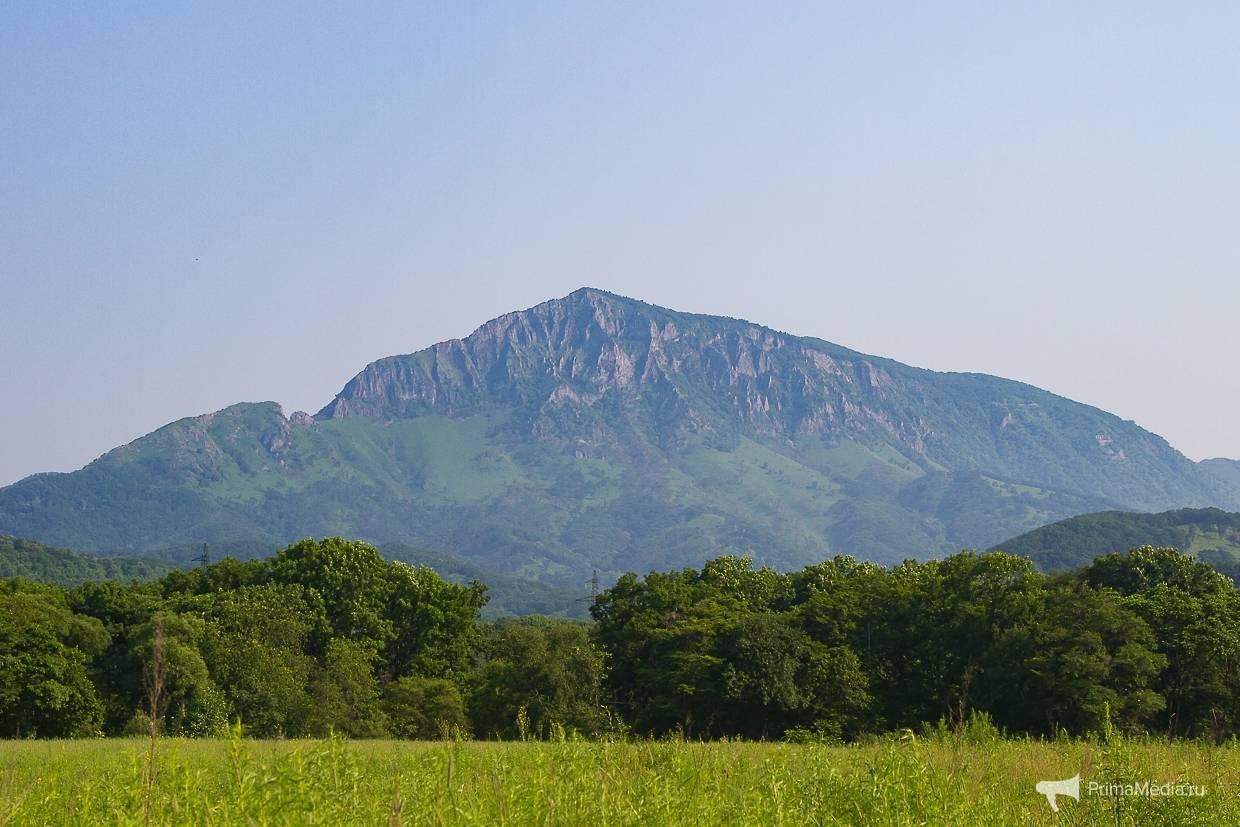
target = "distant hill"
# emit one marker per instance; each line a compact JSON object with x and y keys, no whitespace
{"x":1211,"y":534}
{"x":35,"y":561}
{"x":601,"y":432}
{"x":507,"y":594}
{"x":1227,"y":470}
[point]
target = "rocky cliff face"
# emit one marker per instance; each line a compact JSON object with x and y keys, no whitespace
{"x":593,"y":349}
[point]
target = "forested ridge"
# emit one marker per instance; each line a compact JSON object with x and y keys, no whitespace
{"x":26,"y":558}
{"x":327,"y":636}
{"x":1209,"y":534}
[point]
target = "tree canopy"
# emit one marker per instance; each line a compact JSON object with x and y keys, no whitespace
{"x":327,"y":636}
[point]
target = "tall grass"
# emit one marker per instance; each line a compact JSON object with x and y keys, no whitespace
{"x":947,"y":779}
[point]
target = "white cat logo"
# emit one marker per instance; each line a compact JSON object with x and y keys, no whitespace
{"x":1070,"y":787}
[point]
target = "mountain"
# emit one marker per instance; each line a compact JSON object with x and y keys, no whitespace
{"x":35,"y":561}
{"x":1211,"y":534}
{"x":597,"y":431}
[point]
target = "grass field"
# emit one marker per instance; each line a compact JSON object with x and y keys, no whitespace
{"x":603,"y":783}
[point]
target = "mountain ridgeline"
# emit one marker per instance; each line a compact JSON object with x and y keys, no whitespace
{"x":600,"y":432}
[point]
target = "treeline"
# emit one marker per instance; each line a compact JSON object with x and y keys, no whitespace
{"x":324,"y":636}
{"x":1148,"y":641}
{"x":328,"y":636}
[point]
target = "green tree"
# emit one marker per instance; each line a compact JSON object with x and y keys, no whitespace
{"x":192,"y":704}
{"x":44,"y":650}
{"x":982,"y":610}
{"x":226,"y":575}
{"x":545,"y":666}
{"x":1094,"y":654}
{"x":661,"y":634}
{"x":351,"y":581}
{"x":1194,"y":613}
{"x":838,"y":689}
{"x":1141,"y":569}
{"x":777,"y":677}
{"x":424,"y":709}
{"x":254,"y":646}
{"x":117,"y":670}
{"x":434,"y":623}
{"x":345,"y":694}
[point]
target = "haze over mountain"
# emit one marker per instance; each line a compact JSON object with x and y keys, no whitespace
{"x":597,"y":431}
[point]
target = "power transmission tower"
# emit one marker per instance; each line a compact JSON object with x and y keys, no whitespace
{"x":593,"y":584}
{"x":204,"y":557}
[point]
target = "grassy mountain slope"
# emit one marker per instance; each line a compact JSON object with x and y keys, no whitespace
{"x":35,"y":561}
{"x":596,"y":431}
{"x":1213,"y":535}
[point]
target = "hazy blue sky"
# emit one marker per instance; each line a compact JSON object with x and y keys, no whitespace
{"x":204,"y":205}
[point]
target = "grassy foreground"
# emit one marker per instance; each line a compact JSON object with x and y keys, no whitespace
{"x":603,"y":783}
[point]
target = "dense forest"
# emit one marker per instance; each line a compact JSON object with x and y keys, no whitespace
{"x":329,"y":636}
{"x":26,"y":558}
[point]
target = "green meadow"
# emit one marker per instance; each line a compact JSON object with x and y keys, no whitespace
{"x":896,"y":781}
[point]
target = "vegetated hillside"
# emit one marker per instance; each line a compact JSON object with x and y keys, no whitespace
{"x":1209,"y":533}
{"x":596,"y":431}
{"x":507,"y":595}
{"x":35,"y":561}
{"x":1227,"y":470}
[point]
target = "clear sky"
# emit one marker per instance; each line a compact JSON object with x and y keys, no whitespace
{"x":212,"y":203}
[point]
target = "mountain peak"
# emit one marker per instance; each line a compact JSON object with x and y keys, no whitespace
{"x":589,"y":346}
{"x":595,"y":294}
